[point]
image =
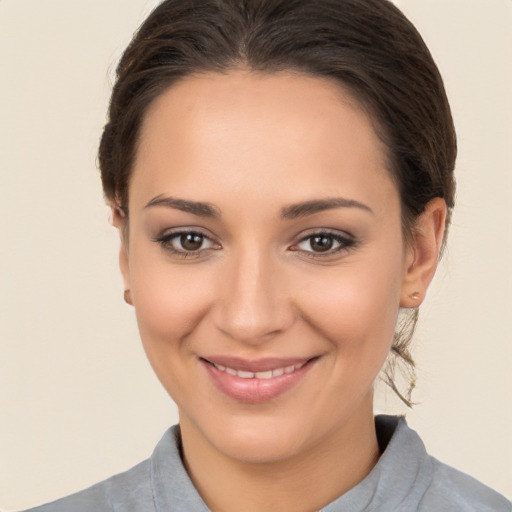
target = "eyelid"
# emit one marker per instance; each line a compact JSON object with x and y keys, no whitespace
{"x":168,"y":235}
{"x":346,"y":242}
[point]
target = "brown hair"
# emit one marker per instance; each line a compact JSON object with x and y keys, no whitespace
{"x":367,"y":46}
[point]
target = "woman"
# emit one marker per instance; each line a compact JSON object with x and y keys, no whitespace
{"x":281,"y":175}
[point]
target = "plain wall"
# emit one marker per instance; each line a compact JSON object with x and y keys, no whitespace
{"x":78,"y":401}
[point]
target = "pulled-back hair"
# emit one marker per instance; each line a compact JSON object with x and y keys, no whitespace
{"x":368,"y":47}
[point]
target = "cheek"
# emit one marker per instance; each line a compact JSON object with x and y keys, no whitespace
{"x":170,"y":303}
{"x":169,"y":300}
{"x":355,"y":307}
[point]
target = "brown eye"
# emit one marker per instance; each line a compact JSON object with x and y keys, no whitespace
{"x":321,"y":243}
{"x":191,"y":241}
{"x":324,"y":244}
{"x":186,"y":243}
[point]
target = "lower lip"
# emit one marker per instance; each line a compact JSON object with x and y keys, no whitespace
{"x":255,"y":391}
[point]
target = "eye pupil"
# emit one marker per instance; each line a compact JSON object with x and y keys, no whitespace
{"x":321,"y":243}
{"x":191,"y":241}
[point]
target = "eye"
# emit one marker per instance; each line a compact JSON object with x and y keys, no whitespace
{"x":186,"y":243}
{"x":324,"y":243}
{"x":190,"y":241}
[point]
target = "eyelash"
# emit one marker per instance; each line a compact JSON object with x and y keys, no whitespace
{"x":345,"y":243}
{"x":166,"y":242}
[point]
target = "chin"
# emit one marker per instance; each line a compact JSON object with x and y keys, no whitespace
{"x":257,"y":439}
{"x":257,"y":446}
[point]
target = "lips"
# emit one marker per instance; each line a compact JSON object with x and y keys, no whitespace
{"x":256,"y":381}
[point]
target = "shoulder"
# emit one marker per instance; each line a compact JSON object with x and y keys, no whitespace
{"x":411,"y":479}
{"x":451,"y":489}
{"x":132,"y":486}
{"x":159,"y":483}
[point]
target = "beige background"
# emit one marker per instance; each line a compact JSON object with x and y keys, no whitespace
{"x":78,"y":401}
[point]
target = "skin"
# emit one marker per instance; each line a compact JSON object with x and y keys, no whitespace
{"x":250,"y":145}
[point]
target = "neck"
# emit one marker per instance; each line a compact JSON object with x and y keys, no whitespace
{"x":303,"y":482}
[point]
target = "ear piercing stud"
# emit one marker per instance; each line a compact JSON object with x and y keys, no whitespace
{"x":415,"y":296}
{"x":128,"y":297}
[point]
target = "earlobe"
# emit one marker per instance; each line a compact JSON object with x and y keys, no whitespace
{"x":119,"y":221}
{"x":124,"y":266}
{"x":423,"y":254}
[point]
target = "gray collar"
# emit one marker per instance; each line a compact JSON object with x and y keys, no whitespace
{"x":402,"y":466}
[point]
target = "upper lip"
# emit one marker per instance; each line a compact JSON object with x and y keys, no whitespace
{"x":256,"y":365}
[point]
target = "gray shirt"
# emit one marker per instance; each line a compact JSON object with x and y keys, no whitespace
{"x":405,"y":479}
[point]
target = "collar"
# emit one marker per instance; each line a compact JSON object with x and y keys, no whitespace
{"x":403,"y":464}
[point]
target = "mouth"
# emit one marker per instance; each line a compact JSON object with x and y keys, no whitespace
{"x":256,"y":381}
{"x":262,"y":374}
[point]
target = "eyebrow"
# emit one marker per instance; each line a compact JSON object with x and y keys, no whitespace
{"x":306,"y":208}
{"x":293,"y":211}
{"x":199,"y":208}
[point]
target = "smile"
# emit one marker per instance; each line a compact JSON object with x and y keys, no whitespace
{"x":244,"y":374}
{"x":258,"y":381}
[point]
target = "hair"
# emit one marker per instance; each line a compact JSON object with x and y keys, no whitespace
{"x":368,"y":47}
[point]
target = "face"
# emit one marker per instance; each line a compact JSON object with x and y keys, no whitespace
{"x":265,"y":259}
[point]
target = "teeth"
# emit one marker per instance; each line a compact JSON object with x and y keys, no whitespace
{"x":243,"y":374}
{"x":264,"y":375}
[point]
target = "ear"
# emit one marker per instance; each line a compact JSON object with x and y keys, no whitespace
{"x":119,"y":221}
{"x":422,"y":255}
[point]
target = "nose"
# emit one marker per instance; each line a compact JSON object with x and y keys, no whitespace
{"x":254,"y":303}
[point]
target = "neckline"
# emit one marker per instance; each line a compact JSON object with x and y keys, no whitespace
{"x":401,"y":460}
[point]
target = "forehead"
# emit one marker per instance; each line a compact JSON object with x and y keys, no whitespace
{"x":246,"y":131}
